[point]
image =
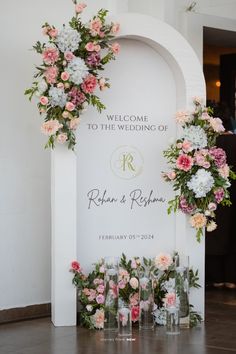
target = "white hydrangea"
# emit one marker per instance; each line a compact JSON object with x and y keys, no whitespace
{"x":68,"y":40}
{"x":160,"y":316}
{"x":78,"y":70}
{"x":201,"y":183}
{"x":57,"y":96}
{"x":42,"y":86}
{"x":197,"y":136}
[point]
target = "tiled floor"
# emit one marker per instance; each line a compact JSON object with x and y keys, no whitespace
{"x":216,"y":336}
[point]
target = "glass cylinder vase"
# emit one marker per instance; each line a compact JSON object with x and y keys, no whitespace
{"x":172,"y":320}
{"x":111,"y":294}
{"x":146,"y":300}
{"x":182,"y":289}
{"x":124,"y":320}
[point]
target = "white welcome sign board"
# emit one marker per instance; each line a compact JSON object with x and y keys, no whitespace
{"x":117,"y":201}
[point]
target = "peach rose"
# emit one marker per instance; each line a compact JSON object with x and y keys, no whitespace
{"x":74,"y":123}
{"x":198,"y":220}
{"x":89,"y":47}
{"x":97,"y":48}
{"x":163,"y":261}
{"x":53,"y":32}
{"x":51,"y":127}
{"x":115,"y":47}
{"x":95,"y":26}
{"x":69,"y":56}
{"x":115,"y":28}
{"x":134,"y":283}
{"x":61,"y":138}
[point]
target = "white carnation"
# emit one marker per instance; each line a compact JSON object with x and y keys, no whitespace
{"x":78,"y":70}
{"x":57,"y":96}
{"x":196,"y":136}
{"x":68,"y":40}
{"x":201,"y":183}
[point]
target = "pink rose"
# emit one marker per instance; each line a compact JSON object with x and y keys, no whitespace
{"x":61,"y":138}
{"x":135,"y":313}
{"x":115,"y":47}
{"x":50,"y":55}
{"x":184,"y":162}
{"x":100,"y":299}
{"x":134,"y":283}
{"x":97,"y":48}
{"x":75,"y":266}
{"x":80,"y":7}
{"x":69,"y":56}
{"x":134,"y":299}
{"x":115,"y":28}
{"x":70,"y":106}
{"x":163,"y":261}
{"x":51,"y":74}
{"x":89,"y":47}
{"x":95,"y":26}
{"x":44,"y":100}
{"x":65,"y":75}
{"x":74,"y":123}
{"x":53,"y":32}
{"x":122,"y":284}
{"x":89,"y":84}
{"x":170,"y":300}
{"x":212,"y":206}
{"x":51,"y":127}
{"x":198,"y":220}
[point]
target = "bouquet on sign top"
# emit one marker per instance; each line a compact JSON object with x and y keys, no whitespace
{"x":67,"y":79}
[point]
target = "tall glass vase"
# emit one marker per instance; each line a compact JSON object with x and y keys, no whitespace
{"x":182,"y":289}
{"x":124,"y":319}
{"x":111,"y":294}
{"x":146,"y":299}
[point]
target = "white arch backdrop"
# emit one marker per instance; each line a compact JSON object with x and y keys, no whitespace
{"x":189,"y":81}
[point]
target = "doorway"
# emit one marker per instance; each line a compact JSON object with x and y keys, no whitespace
{"x":219,"y":65}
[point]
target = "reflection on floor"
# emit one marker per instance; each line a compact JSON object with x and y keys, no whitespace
{"x":216,"y":336}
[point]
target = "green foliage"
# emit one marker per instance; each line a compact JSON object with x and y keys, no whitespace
{"x":95,"y":101}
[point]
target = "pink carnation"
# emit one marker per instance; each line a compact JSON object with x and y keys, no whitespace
{"x":184,"y":206}
{"x":95,"y":26}
{"x":219,"y":195}
{"x":219,"y":156}
{"x":51,"y":74}
{"x":50,"y":55}
{"x":51,"y":127}
{"x":89,"y":84}
{"x":184,"y":162}
{"x":100,"y":299}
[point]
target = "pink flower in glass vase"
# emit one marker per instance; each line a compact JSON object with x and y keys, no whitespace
{"x":100,"y":299}
{"x":163,"y":261}
{"x":98,"y":319}
{"x":100,"y":289}
{"x":170,"y":300}
{"x":135,"y":313}
{"x":134,"y":299}
{"x":184,"y":162}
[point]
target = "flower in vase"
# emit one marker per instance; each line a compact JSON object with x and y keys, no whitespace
{"x":170,"y":299}
{"x":163,"y":261}
{"x":135,"y":313}
{"x":100,"y":299}
{"x":98,"y":319}
{"x":134,"y":283}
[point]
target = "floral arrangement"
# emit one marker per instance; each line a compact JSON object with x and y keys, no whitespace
{"x":198,"y":169}
{"x":69,"y":74}
{"x":91,"y":289}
